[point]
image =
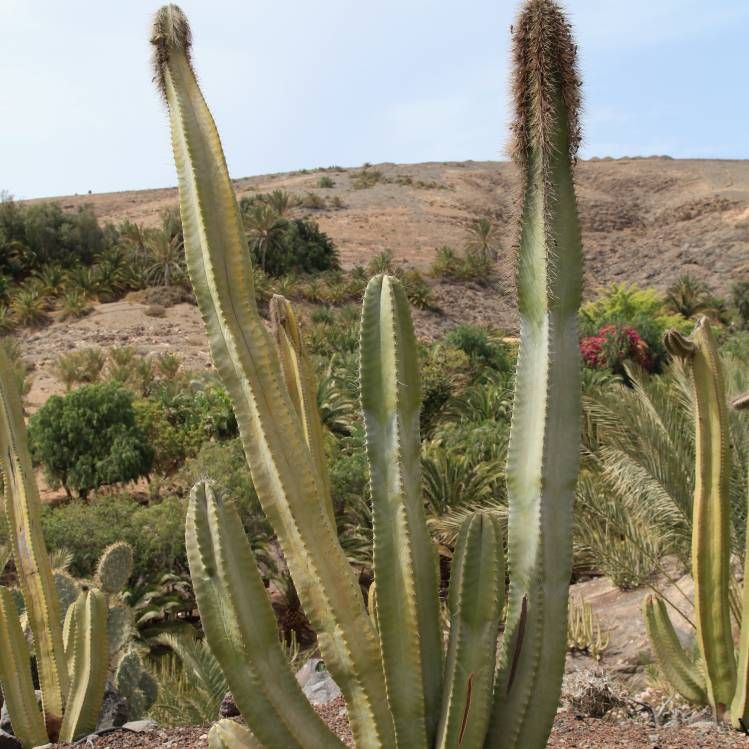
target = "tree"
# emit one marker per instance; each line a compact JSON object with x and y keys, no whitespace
{"x":264,"y":231}
{"x":89,"y":438}
{"x":689,"y":296}
{"x":166,"y":255}
{"x":483,"y":240}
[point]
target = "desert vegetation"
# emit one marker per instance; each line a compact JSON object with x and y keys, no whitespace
{"x":410,"y":510}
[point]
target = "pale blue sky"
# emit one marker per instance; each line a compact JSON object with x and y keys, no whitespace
{"x":294,"y":84}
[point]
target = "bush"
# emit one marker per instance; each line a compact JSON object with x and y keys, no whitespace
{"x":326,"y":182}
{"x":79,"y":367}
{"x":473,"y":266}
{"x":300,"y":248}
{"x":89,"y":438}
{"x":641,"y":309}
{"x":417,"y":290}
{"x":475,"y":342}
{"x":612,"y":346}
{"x":312,"y":201}
{"x":366,"y":178}
{"x":166,"y":441}
{"x":225,"y":464}
{"x":156,"y":533}
{"x":740,"y":294}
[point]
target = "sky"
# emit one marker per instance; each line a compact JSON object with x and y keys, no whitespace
{"x":297,"y":84}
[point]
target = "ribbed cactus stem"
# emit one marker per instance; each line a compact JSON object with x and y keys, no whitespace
{"x":15,"y":677}
{"x":545,"y":433}
{"x":288,"y":484}
{"x":405,"y":558}
{"x":673,"y":661}
{"x":22,"y":508}
{"x":711,"y":554}
{"x":476,"y":597}
{"x":89,"y":666}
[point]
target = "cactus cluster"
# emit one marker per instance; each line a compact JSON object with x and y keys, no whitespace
{"x":722,"y":680}
{"x":401,"y":688}
{"x":70,"y":623}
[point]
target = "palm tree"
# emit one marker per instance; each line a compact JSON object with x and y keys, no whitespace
{"x":166,"y":255}
{"x":281,"y":202}
{"x":264,"y":230}
{"x":689,"y":296}
{"x":483,"y":240}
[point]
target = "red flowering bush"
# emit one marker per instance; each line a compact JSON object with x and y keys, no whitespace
{"x":612,"y":346}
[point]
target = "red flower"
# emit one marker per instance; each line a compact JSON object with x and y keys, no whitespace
{"x":613,"y":345}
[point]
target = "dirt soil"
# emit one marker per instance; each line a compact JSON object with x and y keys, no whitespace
{"x":570,"y":732}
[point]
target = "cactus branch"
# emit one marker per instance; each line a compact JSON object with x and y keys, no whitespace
{"x":283,"y":472}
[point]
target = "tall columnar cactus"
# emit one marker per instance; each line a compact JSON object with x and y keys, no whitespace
{"x":722,"y":682}
{"x":389,"y":662}
{"x":544,"y":438}
{"x":72,"y":678}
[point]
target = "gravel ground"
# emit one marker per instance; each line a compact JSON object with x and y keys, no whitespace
{"x":569,"y":731}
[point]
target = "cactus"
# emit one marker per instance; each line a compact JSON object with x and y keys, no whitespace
{"x":388,"y":661}
{"x":114,"y":568}
{"x":135,"y":684}
{"x":71,"y":658}
{"x":724,"y":683}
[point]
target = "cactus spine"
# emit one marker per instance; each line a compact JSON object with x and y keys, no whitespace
{"x":389,"y":662}
{"x":724,"y":685}
{"x":544,"y":437}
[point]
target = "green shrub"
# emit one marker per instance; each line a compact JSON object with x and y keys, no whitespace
{"x":89,"y":438}
{"x":418,"y":291}
{"x":74,"y":305}
{"x":224,"y":463}
{"x":156,"y":533}
{"x":166,"y":441}
{"x":299,"y":248}
{"x":642,"y":309}
{"x":475,"y":342}
{"x":79,"y":367}
{"x":366,"y":178}
{"x":312,"y":201}
{"x":740,"y":295}
{"x":326,"y":182}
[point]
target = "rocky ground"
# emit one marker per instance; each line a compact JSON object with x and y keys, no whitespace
{"x":570,"y":731}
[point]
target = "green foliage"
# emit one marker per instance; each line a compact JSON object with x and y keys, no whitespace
{"x":75,"y":304}
{"x":83,"y":366}
{"x":326,"y":182}
{"x":156,"y":533}
{"x":366,"y":178}
{"x":482,"y":350}
{"x":89,"y":438}
{"x":740,"y":296}
{"x":473,"y":266}
{"x":643,"y":309}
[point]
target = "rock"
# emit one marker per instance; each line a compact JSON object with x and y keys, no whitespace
{"x":113,"y":712}
{"x":317,"y":683}
{"x":8,"y":741}
{"x":140,"y":726}
{"x":228,"y":708}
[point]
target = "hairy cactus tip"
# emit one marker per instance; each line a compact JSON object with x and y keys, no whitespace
{"x":171,"y":33}
{"x":544,"y":57}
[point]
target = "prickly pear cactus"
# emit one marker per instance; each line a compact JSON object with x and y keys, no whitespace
{"x":135,"y":684}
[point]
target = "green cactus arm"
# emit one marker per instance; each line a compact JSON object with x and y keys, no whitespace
{"x":674,"y":662}
{"x":241,"y":629}
{"x":90,"y":666}
{"x":475,"y":600}
{"x":15,"y":677}
{"x":740,"y":703}
{"x":711,"y":553}
{"x":300,"y":382}
{"x":283,"y":472}
{"x":115,"y":567}
{"x":543,"y":451}
{"x":405,"y":558}
{"x":29,"y":552}
{"x":228,"y":734}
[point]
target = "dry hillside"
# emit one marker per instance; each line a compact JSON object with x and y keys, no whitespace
{"x":644,"y":220}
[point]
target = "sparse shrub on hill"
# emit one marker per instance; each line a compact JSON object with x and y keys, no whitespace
{"x":89,"y":438}
{"x":313,"y":201}
{"x":80,"y":367}
{"x":304,"y":248}
{"x":472,"y":266}
{"x":326,"y":182}
{"x":366,"y":178}
{"x":740,"y":295}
